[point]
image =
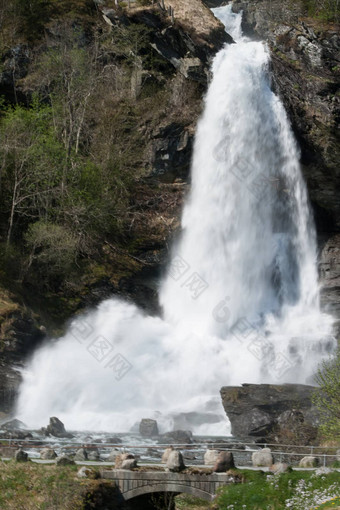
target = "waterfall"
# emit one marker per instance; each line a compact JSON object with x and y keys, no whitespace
{"x":240,"y":298}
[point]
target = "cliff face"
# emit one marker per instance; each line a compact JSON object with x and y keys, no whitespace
{"x":305,"y":66}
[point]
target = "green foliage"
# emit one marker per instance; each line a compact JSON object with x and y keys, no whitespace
{"x":289,"y":490}
{"x":327,"y":397}
{"x":32,"y":16}
{"x":324,"y":10}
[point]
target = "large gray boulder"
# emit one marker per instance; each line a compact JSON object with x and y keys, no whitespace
{"x":225,"y":461}
{"x":47,"y":454}
{"x":113,"y":455}
{"x":262,"y":458}
{"x":175,"y":462}
{"x":93,"y":454}
{"x":148,"y":428}
{"x":260,"y":410}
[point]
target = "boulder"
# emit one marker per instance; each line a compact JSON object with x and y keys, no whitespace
{"x":175,"y":462}
{"x":13,"y":425}
{"x":278,"y":468}
{"x":120,"y":458}
{"x":56,"y":428}
{"x":129,"y":464}
{"x":21,"y":456}
{"x":93,"y":454}
{"x":262,"y":458}
{"x":210,"y":457}
{"x":148,"y":428}
{"x":47,"y":454}
{"x":257,"y":410}
{"x":309,"y":462}
{"x":113,"y":440}
{"x":166,"y":454}
{"x":225,"y":461}
{"x":87,"y":472}
{"x":176,"y":437}
{"x":81,"y":455}
{"x":65,"y":460}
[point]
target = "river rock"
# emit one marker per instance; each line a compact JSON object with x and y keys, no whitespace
{"x":225,"y":461}
{"x":210,"y":457}
{"x":129,"y":464}
{"x":120,"y":458}
{"x":262,"y":458}
{"x":175,"y":462}
{"x":21,"y":456}
{"x":93,"y":454}
{"x":81,"y":455}
{"x":65,"y":460}
{"x":166,"y":454}
{"x":309,"y":462}
{"x":148,"y":428}
{"x":47,"y":454}
{"x":56,"y":428}
{"x":176,"y":437}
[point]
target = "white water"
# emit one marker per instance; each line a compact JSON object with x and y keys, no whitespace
{"x":241,"y":298}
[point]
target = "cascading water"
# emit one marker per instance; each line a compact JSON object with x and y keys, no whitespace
{"x":240,"y":298}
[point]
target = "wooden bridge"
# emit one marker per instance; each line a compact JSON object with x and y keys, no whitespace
{"x":138,"y":483}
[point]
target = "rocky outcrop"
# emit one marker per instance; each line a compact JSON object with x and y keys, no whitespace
{"x":265,"y":410}
{"x":20,"y":333}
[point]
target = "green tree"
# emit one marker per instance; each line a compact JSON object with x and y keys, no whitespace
{"x":327,"y":397}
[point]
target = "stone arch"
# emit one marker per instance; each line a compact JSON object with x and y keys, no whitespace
{"x":166,"y":487}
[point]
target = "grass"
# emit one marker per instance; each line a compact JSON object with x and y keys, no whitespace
{"x":29,"y":486}
{"x":298,"y":490}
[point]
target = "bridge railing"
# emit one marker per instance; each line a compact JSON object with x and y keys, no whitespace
{"x":193,"y":452}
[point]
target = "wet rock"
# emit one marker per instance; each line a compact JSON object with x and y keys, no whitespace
{"x":225,"y":461}
{"x":56,"y":428}
{"x":65,"y":460}
{"x":148,"y":428}
{"x":21,"y":456}
{"x":47,"y":454}
{"x":176,"y":437}
{"x":262,"y":458}
{"x":175,"y":462}
{"x":113,"y":440}
{"x":309,"y":462}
